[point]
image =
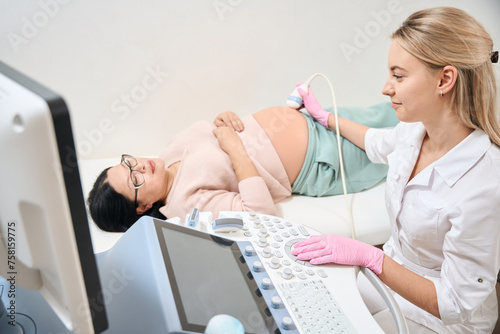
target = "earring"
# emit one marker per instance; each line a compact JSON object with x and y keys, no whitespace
{"x":441,"y":93}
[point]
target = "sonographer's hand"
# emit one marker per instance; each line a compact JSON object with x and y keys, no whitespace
{"x":332,"y":248}
{"x":313,"y":107}
{"x":229,"y":119}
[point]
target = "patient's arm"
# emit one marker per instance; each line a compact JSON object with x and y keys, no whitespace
{"x":253,"y":195}
{"x":229,"y":119}
{"x":231,"y":143}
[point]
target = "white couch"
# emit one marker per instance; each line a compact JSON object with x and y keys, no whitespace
{"x":324,"y":214}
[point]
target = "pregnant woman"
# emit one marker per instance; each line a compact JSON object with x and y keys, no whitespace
{"x":237,"y":164}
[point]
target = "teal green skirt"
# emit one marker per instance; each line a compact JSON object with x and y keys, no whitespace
{"x":320,"y":174}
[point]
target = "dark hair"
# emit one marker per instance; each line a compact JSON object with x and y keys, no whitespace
{"x":111,"y":211}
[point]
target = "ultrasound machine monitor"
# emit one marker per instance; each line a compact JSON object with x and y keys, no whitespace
{"x":48,"y":274}
{"x":174,"y":279}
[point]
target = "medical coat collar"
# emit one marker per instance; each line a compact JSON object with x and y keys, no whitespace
{"x":451,"y":167}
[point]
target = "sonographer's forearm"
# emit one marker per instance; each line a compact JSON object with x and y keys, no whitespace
{"x":352,"y":131}
{"x":416,"y":289}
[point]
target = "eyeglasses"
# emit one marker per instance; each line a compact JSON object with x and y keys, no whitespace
{"x":135,"y":176}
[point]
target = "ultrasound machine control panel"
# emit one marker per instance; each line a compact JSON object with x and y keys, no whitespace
{"x":318,"y":299}
{"x":241,"y":265}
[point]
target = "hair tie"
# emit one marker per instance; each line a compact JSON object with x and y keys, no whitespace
{"x":494,"y":56}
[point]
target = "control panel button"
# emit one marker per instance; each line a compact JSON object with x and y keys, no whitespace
{"x":322,"y":273}
{"x":303,"y":230}
{"x":277,"y":253}
{"x":286,"y":323}
{"x":267,"y":252}
{"x":249,"y":251}
{"x":257,"y":266}
{"x":275,"y":263}
{"x":266,"y":283}
{"x":276,"y":302}
{"x":287,"y":273}
{"x":262,"y":233}
{"x":262,"y":242}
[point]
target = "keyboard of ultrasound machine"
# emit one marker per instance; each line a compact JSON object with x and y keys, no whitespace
{"x":299,"y":287}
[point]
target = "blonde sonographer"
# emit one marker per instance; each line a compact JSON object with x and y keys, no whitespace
{"x":443,"y":184}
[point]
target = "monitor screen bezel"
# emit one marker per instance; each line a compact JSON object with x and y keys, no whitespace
{"x":72,"y":182}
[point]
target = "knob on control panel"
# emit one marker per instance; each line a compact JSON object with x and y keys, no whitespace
{"x":267,"y":252}
{"x":286,"y":322}
{"x":257,"y":266}
{"x":275,"y":263}
{"x":276,"y":302}
{"x":266,"y":283}
{"x":249,"y":250}
{"x":287,"y":273}
{"x":262,"y":242}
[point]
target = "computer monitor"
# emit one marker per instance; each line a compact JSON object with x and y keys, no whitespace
{"x":45,"y":241}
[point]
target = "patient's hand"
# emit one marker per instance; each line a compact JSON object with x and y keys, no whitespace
{"x":229,"y":119}
{"x":229,"y":140}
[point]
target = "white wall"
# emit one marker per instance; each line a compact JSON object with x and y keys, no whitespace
{"x":136,"y":72}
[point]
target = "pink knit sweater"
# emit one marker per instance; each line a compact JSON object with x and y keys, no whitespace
{"x":206,"y":179}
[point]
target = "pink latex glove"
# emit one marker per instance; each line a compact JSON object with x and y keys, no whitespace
{"x":332,"y":248}
{"x":313,"y":107}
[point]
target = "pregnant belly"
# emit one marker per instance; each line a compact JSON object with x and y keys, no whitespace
{"x":287,"y":130}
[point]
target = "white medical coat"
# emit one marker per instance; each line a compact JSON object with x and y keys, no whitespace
{"x":445,"y":223}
